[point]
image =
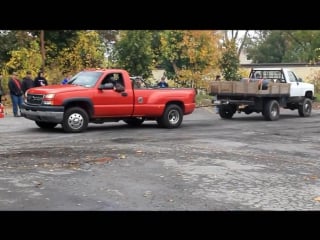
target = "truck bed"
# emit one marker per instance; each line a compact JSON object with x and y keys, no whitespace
{"x":246,"y":88}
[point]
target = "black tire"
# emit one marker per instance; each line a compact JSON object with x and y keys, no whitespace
{"x":159,"y":122}
{"x":247,"y":111}
{"x":226,"y":111}
{"x":46,"y":125}
{"x":271,"y":110}
{"x":134,"y":122}
{"x":305,"y":108}
{"x":75,"y":120}
{"x":172,"y":117}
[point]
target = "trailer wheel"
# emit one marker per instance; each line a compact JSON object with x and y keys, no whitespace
{"x":271,"y":110}
{"x":75,"y":120}
{"x":305,"y":108}
{"x":226,"y":111}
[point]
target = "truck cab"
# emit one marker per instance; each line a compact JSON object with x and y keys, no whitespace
{"x":298,"y":88}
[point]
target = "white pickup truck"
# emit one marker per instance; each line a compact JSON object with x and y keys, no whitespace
{"x":265,"y":91}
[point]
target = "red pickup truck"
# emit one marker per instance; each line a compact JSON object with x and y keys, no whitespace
{"x":105,"y":95}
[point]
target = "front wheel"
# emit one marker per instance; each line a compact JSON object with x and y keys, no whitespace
{"x":305,"y":108}
{"x":75,"y":120}
{"x":172,"y":117}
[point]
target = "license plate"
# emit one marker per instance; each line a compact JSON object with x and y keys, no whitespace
{"x":217,"y":102}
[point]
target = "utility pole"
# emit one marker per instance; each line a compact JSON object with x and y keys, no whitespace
{"x":43,"y":54}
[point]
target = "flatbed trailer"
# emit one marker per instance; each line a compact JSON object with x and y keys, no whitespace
{"x":258,"y":95}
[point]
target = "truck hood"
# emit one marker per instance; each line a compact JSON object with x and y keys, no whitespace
{"x":55,"y":89}
{"x":306,"y":86}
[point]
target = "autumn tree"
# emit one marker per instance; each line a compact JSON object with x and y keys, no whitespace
{"x":229,"y":62}
{"x":25,"y":58}
{"x":189,"y":56}
{"x":55,"y":41}
{"x":11,"y":40}
{"x":240,"y":37}
{"x":86,"y":51}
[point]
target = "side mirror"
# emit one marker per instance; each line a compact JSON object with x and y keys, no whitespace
{"x":300,"y":80}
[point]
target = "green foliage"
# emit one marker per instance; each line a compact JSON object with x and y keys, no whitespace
{"x":188,"y":56}
{"x":133,"y":52}
{"x":229,"y":62}
{"x":285,"y":46}
{"x":203,"y":100}
{"x":86,"y":52}
{"x":24,"y":59}
{"x":55,"y":42}
{"x":314,"y":78}
{"x":11,"y":41}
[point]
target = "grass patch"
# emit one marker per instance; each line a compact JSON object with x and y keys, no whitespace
{"x":203,"y":100}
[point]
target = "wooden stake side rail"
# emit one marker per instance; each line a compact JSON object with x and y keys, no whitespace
{"x":236,"y":88}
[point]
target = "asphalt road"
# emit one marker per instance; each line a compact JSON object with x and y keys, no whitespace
{"x":245,"y":163}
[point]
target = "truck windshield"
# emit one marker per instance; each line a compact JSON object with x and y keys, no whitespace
{"x":86,"y":79}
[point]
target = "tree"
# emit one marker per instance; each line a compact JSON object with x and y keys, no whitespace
{"x":86,"y":51}
{"x":285,"y":46}
{"x":133,"y":52}
{"x":10,"y":41}
{"x":25,"y":58}
{"x":239,"y":39}
{"x":188,"y":56}
{"x":267,"y":47}
{"x":229,"y":62}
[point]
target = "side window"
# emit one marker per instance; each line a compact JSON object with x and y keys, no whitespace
{"x":119,"y":79}
{"x":116,"y":79}
{"x":108,"y":79}
{"x":292,"y":77}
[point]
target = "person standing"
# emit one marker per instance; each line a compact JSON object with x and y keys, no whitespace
{"x":66,"y":79}
{"x":15,"y":89}
{"x":27,"y":82}
{"x":1,"y":88}
{"x":40,"y":80}
{"x":215,"y":97}
{"x":163,"y":83}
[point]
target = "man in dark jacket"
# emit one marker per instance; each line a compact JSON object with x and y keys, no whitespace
{"x":1,"y":87}
{"x":15,"y":89}
{"x":40,"y":80}
{"x":27,"y":82}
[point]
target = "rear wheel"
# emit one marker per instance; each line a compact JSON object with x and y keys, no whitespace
{"x":226,"y":111}
{"x":75,"y":120}
{"x":172,"y":117}
{"x":271,"y":110}
{"x":46,"y":125}
{"x":306,"y":108}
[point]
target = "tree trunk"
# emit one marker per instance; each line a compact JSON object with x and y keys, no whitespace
{"x":43,"y":54}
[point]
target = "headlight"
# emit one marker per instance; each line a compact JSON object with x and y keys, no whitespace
{"x":48,"y":99}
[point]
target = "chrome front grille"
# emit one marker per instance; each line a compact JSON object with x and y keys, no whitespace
{"x":34,"y":99}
